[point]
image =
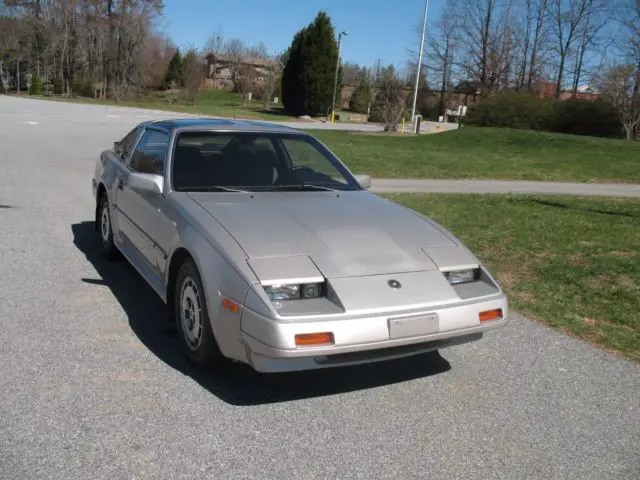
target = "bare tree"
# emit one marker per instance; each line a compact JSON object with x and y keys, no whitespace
{"x":215,"y":46}
{"x":532,"y":34}
{"x":235,"y":51}
{"x":244,"y":80}
{"x":258,"y":51}
{"x":350,"y":73}
{"x":625,"y":76}
{"x":617,"y":86}
{"x":271,"y":81}
{"x":215,"y":43}
{"x":96,"y":43}
{"x":12,"y":44}
{"x":442,"y":45}
{"x":389,"y":104}
{"x":192,"y":74}
{"x":487,"y":34}
{"x":597,"y":15}
{"x":567,"y":16}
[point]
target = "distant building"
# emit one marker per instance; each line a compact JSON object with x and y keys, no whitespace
{"x":548,"y":90}
{"x":219,"y":69}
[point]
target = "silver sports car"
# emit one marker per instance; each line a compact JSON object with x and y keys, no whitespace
{"x":267,"y":250}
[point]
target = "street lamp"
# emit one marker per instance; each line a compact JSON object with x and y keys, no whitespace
{"x":335,"y":80}
{"x":415,"y":90}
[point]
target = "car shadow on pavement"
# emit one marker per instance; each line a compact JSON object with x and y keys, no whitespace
{"x":236,"y":383}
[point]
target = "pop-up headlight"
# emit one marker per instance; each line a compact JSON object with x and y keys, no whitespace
{"x":466,"y":275}
{"x":294,"y":291}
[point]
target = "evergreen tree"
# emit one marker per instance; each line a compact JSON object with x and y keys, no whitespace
{"x":307,"y":80}
{"x":36,"y":87}
{"x":174,"y":70}
{"x":361,"y":97}
{"x":289,"y":82}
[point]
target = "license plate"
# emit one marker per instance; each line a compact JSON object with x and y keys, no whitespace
{"x":400,"y":327}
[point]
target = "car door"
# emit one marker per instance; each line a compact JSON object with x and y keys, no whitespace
{"x":138,"y":211}
{"x":121,"y":153}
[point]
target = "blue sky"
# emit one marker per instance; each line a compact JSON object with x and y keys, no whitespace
{"x":376,"y":28}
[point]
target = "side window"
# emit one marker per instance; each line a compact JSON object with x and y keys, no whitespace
{"x":126,"y":145}
{"x":150,"y":153}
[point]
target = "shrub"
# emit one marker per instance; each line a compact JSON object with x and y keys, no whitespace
{"x":580,"y":116}
{"x":511,"y":110}
{"x":576,"y":116}
{"x":389,"y":105}
{"x":83,"y":87}
{"x":36,"y":87}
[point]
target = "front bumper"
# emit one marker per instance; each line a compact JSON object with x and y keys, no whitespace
{"x":270,"y":345}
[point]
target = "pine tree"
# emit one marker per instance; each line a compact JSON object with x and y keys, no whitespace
{"x":36,"y":87}
{"x":361,"y":97}
{"x":174,"y":70}
{"x":307,"y":80}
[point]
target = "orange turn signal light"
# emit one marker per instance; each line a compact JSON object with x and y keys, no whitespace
{"x":309,"y":339}
{"x":491,"y":315}
{"x":229,"y":305}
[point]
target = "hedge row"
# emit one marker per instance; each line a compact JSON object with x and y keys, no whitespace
{"x":527,"y":111}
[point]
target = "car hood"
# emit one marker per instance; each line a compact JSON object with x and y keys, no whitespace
{"x":350,"y":234}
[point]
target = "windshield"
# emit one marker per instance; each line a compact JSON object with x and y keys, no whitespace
{"x":250,"y":161}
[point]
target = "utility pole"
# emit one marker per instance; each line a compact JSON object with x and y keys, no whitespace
{"x":415,"y":89}
{"x":335,"y":80}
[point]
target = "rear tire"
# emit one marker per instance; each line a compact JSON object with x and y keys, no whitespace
{"x":108,"y":248}
{"x":192,"y":318}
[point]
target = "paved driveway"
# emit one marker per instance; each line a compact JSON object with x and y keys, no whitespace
{"x":92,"y":387}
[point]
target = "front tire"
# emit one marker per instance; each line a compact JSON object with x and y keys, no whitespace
{"x":192,"y":318}
{"x":107,"y":245}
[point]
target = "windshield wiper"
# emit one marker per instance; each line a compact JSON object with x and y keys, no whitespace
{"x":302,"y":187}
{"x":215,"y":188}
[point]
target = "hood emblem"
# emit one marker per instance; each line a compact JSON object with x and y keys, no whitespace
{"x":395,"y":284}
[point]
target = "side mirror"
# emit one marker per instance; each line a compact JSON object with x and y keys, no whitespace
{"x":364,"y":181}
{"x":116,"y":145}
{"x":146,"y":182}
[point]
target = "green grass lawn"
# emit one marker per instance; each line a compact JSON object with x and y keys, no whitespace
{"x":210,"y":102}
{"x":571,"y":263}
{"x":489,"y":153}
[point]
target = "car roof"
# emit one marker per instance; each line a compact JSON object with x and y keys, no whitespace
{"x":220,"y":124}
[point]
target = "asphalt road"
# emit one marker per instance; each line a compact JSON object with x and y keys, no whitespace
{"x":120,"y":114}
{"x":92,"y":386}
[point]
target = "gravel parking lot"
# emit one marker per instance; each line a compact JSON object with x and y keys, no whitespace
{"x":92,"y":385}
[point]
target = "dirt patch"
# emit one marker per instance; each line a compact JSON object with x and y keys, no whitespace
{"x":579,"y":260}
{"x":599,"y":282}
{"x":525,"y":296}
{"x":628,"y":282}
{"x":622,"y":254}
{"x":510,"y":278}
{"x":587,"y":243}
{"x":506,"y":279}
